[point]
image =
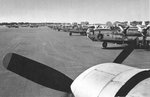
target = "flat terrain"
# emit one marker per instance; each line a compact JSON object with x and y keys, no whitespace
{"x":69,"y":54}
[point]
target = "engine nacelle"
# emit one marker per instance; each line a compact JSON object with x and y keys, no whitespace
{"x":112,"y":80}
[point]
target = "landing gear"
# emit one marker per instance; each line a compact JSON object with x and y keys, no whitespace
{"x":143,"y":45}
{"x":147,"y":45}
{"x":104,"y":44}
{"x":70,"y":33}
{"x":83,"y":34}
{"x":137,"y":43}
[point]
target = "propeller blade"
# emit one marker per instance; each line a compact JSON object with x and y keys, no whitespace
{"x":126,"y":52}
{"x":37,"y":72}
{"x":148,"y":27}
{"x":125,"y":30}
{"x":145,"y":30}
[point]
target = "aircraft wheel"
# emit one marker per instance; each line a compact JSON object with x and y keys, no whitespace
{"x":70,"y":34}
{"x":81,"y":33}
{"x":84,"y":34}
{"x":104,"y":44}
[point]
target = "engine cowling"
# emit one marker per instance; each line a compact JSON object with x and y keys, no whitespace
{"x":110,"y":80}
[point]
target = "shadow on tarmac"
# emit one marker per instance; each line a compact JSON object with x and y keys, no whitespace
{"x":78,"y":35}
{"x":114,"y":48}
{"x":122,"y":47}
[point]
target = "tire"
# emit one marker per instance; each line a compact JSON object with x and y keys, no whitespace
{"x":70,"y":33}
{"x":104,"y":44}
{"x":81,"y":33}
{"x":85,"y":34}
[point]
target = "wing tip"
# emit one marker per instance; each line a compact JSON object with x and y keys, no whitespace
{"x":7,"y":59}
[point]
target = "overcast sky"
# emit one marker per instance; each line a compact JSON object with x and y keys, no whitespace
{"x":94,"y":11}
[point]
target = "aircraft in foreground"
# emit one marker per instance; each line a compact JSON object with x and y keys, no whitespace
{"x":103,"y":80}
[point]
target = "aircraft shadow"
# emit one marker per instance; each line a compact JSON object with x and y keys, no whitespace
{"x":78,"y":35}
{"x":122,"y":47}
{"x":114,"y":48}
{"x":147,"y":49}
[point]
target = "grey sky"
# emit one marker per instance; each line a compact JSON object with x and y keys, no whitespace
{"x":94,"y":11}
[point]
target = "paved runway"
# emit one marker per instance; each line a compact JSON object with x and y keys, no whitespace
{"x":69,"y":54}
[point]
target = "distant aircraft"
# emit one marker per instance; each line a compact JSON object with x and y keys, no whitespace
{"x":103,"y":80}
{"x":34,"y":26}
{"x":144,"y":32}
{"x":12,"y":26}
{"x":78,"y":29}
{"x":124,"y":36}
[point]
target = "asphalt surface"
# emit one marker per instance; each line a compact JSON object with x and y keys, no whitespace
{"x":70,"y":55}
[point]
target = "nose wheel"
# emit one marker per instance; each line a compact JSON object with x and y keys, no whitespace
{"x":104,"y":44}
{"x":70,"y":33}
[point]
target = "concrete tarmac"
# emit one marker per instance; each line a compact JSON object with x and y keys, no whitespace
{"x":70,"y":55}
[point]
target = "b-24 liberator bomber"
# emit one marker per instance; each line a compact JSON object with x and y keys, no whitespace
{"x":123,"y":36}
{"x":78,"y":30}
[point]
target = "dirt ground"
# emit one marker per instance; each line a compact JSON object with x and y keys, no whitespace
{"x":69,"y":54}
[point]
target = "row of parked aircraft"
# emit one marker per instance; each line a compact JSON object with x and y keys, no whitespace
{"x":122,"y":35}
{"x":103,"y":80}
{"x":118,"y":34}
{"x":25,"y":25}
